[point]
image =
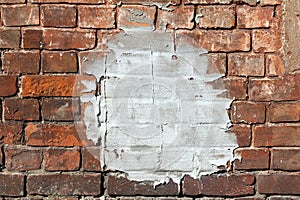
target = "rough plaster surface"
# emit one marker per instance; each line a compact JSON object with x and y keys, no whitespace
{"x":157,"y":116}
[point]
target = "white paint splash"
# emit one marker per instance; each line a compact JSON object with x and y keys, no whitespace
{"x":157,"y":116}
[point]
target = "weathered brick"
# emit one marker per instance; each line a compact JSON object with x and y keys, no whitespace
{"x":216,"y":40}
{"x":270,"y":2}
{"x":62,"y":85}
{"x":286,"y":159}
{"x":252,"y":159}
{"x":69,"y":1}
{"x":286,"y":88}
{"x":246,"y":64}
{"x":281,"y":136}
{"x":21,"y":109}
{"x":12,"y":185}
{"x":207,"y":1}
{"x":284,"y":112}
{"x":68,"y":39}
{"x":55,"y":109}
{"x":61,"y":159}
{"x":254,"y":17}
{"x":274,"y":65}
{"x":285,"y":197}
{"x":180,"y":17}
{"x":12,"y":1}
{"x":58,"y":16}
{"x":249,"y":2}
{"x":20,"y":15}
{"x":66,"y":135}
{"x":9,"y":38}
{"x":8,"y":85}
{"x":248,"y":112}
{"x":59,"y":61}
{"x":32,"y":38}
{"x":96,"y":16}
{"x":91,"y":159}
{"x":216,"y":63}
{"x":64,"y":184}
{"x":278,"y":184}
{"x":215,"y":16}
{"x":22,"y":158}
{"x":143,"y":1}
{"x":266,"y":40}
{"x":11,"y":133}
{"x":219,"y":185}
{"x":122,"y":186}
{"x":21,"y":62}
{"x":243,"y":134}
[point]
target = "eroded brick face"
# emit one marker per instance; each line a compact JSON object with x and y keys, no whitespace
{"x":49,"y":49}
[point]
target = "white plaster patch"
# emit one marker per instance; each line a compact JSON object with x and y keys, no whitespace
{"x":157,"y":116}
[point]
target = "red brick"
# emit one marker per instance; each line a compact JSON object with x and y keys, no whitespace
{"x":215,"y":16}
{"x":8,"y":85}
{"x":21,"y":109}
{"x":21,"y":62}
{"x":274,"y":65}
{"x":61,"y":159}
{"x":64,"y":184}
{"x":11,"y":133}
{"x":286,"y":88}
{"x":270,"y":2}
{"x":180,"y":17}
{"x":58,"y":16}
{"x":247,"y":112}
{"x":266,"y":40}
{"x":91,"y":159}
{"x":207,"y":1}
{"x":246,"y":64}
{"x":32,"y":38}
{"x":278,"y":184}
{"x":122,"y":186}
{"x":252,"y":159}
{"x":277,"y":197}
{"x":9,"y":38}
{"x":249,"y":2}
{"x":280,"y":135}
{"x":234,"y":88}
{"x":69,"y":39}
{"x":12,"y":1}
{"x":69,"y":1}
{"x":254,"y":17}
{"x":143,"y":1}
{"x":216,"y":40}
{"x":286,"y":159}
{"x":65,"y":135}
{"x":22,"y":159}
{"x":12,"y":185}
{"x":219,"y":185}
{"x":216,"y":63}
{"x":59,"y":61}
{"x":20,"y":15}
{"x":62,"y":85}
{"x":243,"y":134}
{"x":96,"y":16}
{"x":284,"y":112}
{"x":60,"y":109}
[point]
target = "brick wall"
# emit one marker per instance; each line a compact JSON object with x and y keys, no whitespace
{"x":43,"y":42}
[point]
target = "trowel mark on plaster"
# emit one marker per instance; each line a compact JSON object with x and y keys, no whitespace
{"x":159,"y":116}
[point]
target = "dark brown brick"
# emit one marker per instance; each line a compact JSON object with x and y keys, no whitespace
{"x":11,"y":185}
{"x":122,"y":186}
{"x":64,"y":184}
{"x":252,"y":159}
{"x":9,"y":38}
{"x":20,"y":15}
{"x":59,"y":61}
{"x":21,"y":109}
{"x":32,"y":38}
{"x":91,"y":159}
{"x":55,"y":109}
{"x":61,"y":159}
{"x":8,"y":85}
{"x":272,"y":136}
{"x":278,"y":184}
{"x":286,"y":159}
{"x":22,"y":159}
{"x":21,"y":62}
{"x":58,"y":16}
